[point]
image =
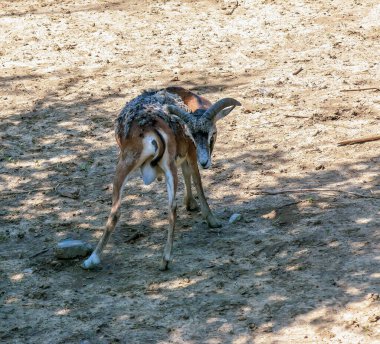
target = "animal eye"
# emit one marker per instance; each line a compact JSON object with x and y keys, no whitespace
{"x":212,"y":142}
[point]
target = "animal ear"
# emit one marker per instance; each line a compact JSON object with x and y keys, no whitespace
{"x":223,"y":113}
{"x":191,"y":100}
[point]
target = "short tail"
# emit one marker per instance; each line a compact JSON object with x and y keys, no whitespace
{"x":161,"y":149}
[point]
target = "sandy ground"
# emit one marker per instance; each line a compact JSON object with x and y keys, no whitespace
{"x":300,"y":267}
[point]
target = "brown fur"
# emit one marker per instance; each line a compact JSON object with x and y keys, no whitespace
{"x":192,"y":100}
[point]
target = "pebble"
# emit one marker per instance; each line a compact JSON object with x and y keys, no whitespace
{"x":70,"y":192}
{"x":320,"y":167}
{"x":374,"y":318}
{"x":235,"y":218}
{"x":69,"y":249}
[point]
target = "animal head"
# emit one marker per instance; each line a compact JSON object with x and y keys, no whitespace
{"x":202,"y":125}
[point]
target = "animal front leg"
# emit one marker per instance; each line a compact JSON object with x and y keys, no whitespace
{"x":171,"y":184}
{"x":189,"y":200}
{"x":122,"y":171}
{"x":212,"y":221}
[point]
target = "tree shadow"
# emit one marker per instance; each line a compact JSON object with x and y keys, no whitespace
{"x":290,"y":256}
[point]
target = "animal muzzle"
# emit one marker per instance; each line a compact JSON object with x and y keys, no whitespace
{"x":206,"y":165}
{"x":204,"y":159}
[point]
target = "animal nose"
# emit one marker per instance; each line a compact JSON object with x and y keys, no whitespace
{"x":203,"y":158}
{"x":205,"y":164}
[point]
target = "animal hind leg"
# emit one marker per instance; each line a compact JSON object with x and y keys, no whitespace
{"x":171,"y":184}
{"x":122,"y":170}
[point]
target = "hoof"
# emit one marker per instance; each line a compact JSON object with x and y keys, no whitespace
{"x":191,"y":205}
{"x":164,"y":265}
{"x":91,"y":262}
{"x":213,"y":222}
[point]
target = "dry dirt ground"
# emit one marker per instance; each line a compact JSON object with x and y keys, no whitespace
{"x":300,"y":267}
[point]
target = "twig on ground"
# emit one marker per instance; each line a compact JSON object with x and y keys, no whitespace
{"x":290,"y":204}
{"x":295,"y":116}
{"x":362,"y":140}
{"x":15,"y":192}
{"x":299,"y":70}
{"x":233,"y":9}
{"x":278,"y":192}
{"x":133,"y":237}
{"x":361,"y":89}
{"x":39,"y":253}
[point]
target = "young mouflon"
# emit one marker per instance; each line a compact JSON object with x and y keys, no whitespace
{"x":159,"y":131}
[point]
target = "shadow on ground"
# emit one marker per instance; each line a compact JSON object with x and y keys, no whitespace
{"x":291,"y":255}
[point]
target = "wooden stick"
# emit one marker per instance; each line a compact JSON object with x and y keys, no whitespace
{"x":361,"y":89}
{"x":15,"y":192}
{"x":38,"y":253}
{"x":233,"y":9}
{"x":295,"y":116}
{"x":299,"y":70}
{"x":290,"y":204}
{"x":133,"y":237}
{"x":362,"y":140}
{"x":278,"y":192}
{"x":6,"y":193}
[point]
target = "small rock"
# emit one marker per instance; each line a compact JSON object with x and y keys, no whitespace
{"x":69,"y":249}
{"x":373,"y":297}
{"x":270,"y":216}
{"x":54,"y":263}
{"x":38,"y":295}
{"x":374,"y":318}
{"x":235,"y":218}
{"x":69,"y":192}
{"x":320,"y":167}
